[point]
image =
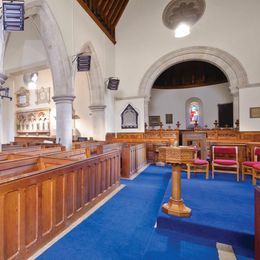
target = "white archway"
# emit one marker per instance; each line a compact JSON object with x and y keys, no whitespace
{"x":97,"y":91}
{"x":228,"y":64}
{"x":96,"y":84}
{"x":59,"y":62}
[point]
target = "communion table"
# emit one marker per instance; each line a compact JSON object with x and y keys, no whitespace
{"x":176,"y":156}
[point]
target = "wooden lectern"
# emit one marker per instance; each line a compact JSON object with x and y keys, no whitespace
{"x":176,"y":156}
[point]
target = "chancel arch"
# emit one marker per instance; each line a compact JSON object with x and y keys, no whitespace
{"x":229,"y":65}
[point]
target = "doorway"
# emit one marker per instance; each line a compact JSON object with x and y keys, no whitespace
{"x":225,"y":115}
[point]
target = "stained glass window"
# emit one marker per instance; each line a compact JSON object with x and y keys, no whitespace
{"x":194,"y":112}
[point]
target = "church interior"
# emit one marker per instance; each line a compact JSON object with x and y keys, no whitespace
{"x":130,"y":129}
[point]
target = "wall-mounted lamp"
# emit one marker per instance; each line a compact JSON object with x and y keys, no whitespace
{"x":13,"y":15}
{"x":113,"y":83}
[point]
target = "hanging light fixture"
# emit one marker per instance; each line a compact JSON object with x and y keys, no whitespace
{"x":13,"y":15}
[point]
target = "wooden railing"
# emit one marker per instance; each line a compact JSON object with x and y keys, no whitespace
{"x":37,"y":207}
{"x":257,"y":223}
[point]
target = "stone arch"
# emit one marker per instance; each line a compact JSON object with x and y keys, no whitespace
{"x":95,"y":78}
{"x":230,"y":66}
{"x":59,"y":61}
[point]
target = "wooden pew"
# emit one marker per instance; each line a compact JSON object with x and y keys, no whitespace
{"x":79,"y":154}
{"x":20,"y":167}
{"x":22,"y":149}
{"x":133,"y":159}
{"x":257,"y":223}
{"x":11,"y":156}
{"x":37,"y":206}
{"x":41,"y":151}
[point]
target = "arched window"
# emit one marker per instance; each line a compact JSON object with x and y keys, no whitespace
{"x":194,"y":113}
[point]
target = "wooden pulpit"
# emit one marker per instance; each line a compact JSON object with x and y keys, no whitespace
{"x":176,"y":156}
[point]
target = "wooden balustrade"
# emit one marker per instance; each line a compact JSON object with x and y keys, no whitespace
{"x":39,"y":205}
{"x":257,"y":223}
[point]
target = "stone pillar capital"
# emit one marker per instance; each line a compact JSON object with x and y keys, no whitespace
{"x":63,"y":99}
{"x":97,"y":108}
{"x":3,"y":78}
{"x":234,"y":91}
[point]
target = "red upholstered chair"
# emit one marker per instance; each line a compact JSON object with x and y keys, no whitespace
{"x":225,"y":159}
{"x":197,"y":165}
{"x":256,"y":172}
{"x":247,"y":166}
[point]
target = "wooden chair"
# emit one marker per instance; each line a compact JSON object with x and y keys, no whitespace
{"x":256,"y":172}
{"x":247,"y":166}
{"x":197,"y":165}
{"x":225,"y":159}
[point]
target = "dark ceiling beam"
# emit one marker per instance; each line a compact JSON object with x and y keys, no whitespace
{"x":108,"y":8}
{"x":99,"y":2}
{"x":119,"y":13}
{"x":106,"y":13}
{"x":109,"y":34}
{"x":114,"y":10}
{"x":106,"y":2}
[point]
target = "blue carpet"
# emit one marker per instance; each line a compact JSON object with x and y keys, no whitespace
{"x":222,"y":210}
{"x":123,"y":228}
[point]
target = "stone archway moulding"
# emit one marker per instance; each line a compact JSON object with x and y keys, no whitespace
{"x":60,"y":64}
{"x":96,"y":84}
{"x":230,"y":66}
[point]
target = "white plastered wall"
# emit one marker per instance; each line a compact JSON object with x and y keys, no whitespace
{"x":143,"y":39}
{"x":25,"y":51}
{"x":138,"y":105}
{"x":249,"y":97}
{"x":173,"y":101}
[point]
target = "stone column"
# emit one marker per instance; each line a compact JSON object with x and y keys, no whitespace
{"x":98,"y":119}
{"x":235,"y":107}
{"x":3,"y":78}
{"x":146,"y":110}
{"x":64,"y":120}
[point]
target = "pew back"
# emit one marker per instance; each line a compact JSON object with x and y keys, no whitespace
{"x":38,"y":206}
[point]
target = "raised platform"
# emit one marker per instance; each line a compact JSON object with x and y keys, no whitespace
{"x":222,"y":210}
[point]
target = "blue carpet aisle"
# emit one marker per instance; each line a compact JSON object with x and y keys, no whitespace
{"x":123,"y":228}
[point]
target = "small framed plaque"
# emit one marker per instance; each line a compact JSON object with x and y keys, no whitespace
{"x":254,"y":112}
{"x":154,"y":120}
{"x":22,"y":97}
{"x":43,"y":95}
{"x":168,"y":119}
